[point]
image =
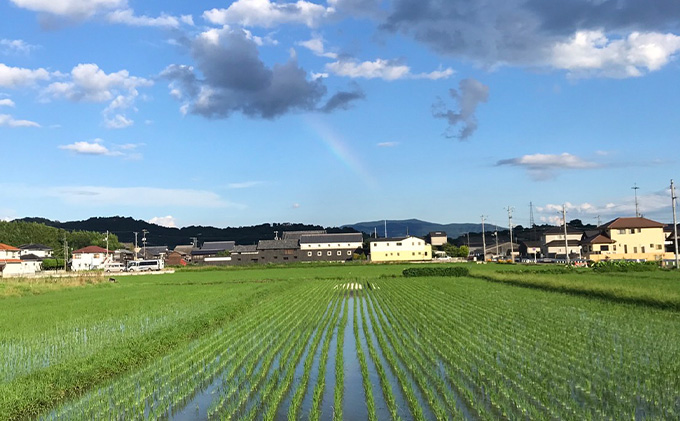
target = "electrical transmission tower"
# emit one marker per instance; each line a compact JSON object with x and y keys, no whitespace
{"x":637,"y":208}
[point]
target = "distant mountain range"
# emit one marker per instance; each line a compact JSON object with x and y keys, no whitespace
{"x":398,"y":228}
{"x":125,"y":227}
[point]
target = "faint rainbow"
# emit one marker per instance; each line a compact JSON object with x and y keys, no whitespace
{"x":339,"y":148}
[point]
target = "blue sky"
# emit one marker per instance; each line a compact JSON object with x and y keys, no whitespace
{"x":339,"y":111}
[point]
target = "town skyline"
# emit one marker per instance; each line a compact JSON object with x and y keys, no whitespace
{"x":233,"y":113}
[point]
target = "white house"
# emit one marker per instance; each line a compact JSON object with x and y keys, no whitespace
{"x":90,"y":258}
{"x":38,"y":250}
{"x":10,"y":263}
{"x":336,"y":247}
{"x":400,"y":249}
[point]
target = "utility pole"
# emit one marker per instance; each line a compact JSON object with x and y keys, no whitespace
{"x":566,"y":240}
{"x":599,"y":221}
{"x":637,"y":208}
{"x":531,"y":220}
{"x":495,"y":234}
{"x":675,"y":227}
{"x":468,"y":236}
{"x":65,"y":254}
{"x":512,"y":249}
{"x":483,"y":240}
{"x":107,"y":244}
{"x":144,"y":232}
{"x":135,"y":250}
{"x":385,"y":228}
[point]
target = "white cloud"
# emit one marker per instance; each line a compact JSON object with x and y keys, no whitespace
{"x":591,"y":53}
{"x":91,"y":84}
{"x":543,"y":166}
{"x":9,"y":121}
{"x":6,"y":102}
{"x":164,"y":221}
{"x":387,"y":144}
{"x":244,"y":185}
{"x":15,"y":46}
{"x":138,"y":197}
{"x":383,"y":69}
{"x":88,"y":148}
{"x":13,"y":77}
{"x":296,"y":206}
{"x":70,"y":8}
{"x":264,"y":13}
{"x":128,"y":17}
{"x":316,"y":46}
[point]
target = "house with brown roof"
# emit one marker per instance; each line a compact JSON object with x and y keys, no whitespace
{"x":553,"y":243}
{"x":635,"y":238}
{"x":90,"y":258}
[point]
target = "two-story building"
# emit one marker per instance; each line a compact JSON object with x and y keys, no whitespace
{"x":437,"y":238}
{"x":634,"y":238}
{"x":400,"y":249}
{"x":90,"y":258}
{"x":10,"y":261}
{"x":553,"y":243}
{"x":330,"y":247}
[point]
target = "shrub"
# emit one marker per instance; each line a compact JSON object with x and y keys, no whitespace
{"x":436,"y":271}
{"x":624,"y":266}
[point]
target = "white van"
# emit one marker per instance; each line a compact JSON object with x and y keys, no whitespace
{"x":144,"y":265}
{"x":114,"y":267}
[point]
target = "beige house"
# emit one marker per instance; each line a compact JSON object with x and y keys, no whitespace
{"x":401,"y":249}
{"x":627,"y":238}
{"x":437,"y":238}
{"x":553,"y":244}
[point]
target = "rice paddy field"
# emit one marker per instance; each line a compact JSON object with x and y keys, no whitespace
{"x":344,"y":342}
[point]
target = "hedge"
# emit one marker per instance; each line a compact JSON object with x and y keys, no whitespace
{"x":625,"y":266}
{"x":436,"y":271}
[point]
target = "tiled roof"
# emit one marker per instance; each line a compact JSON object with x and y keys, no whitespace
{"x":437,"y":234}
{"x":6,"y":247}
{"x":245,"y":249}
{"x":559,"y":243}
{"x":92,"y":249}
{"x":295,"y":235}
{"x":560,"y":230}
{"x":353,"y":237}
{"x":277,"y":244}
{"x":378,"y":240}
{"x":218,"y":245}
{"x":41,"y":247}
{"x":635,"y":222}
{"x":598,"y":239}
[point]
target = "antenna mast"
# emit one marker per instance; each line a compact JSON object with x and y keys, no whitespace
{"x":675,"y":227}
{"x":637,"y":208}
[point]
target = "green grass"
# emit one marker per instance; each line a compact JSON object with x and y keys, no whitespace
{"x":483,"y":346}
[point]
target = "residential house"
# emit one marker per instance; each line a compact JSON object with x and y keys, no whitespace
{"x":502,"y":250}
{"x":10,"y":261}
{"x":154,"y":252}
{"x":400,"y":249}
{"x":437,"y":238}
{"x":185,"y":251}
{"x":330,"y":247}
{"x":38,"y":250}
{"x":90,"y":258}
{"x":530,"y":249}
{"x":175,"y":258}
{"x":669,"y":232}
{"x":633,"y":238}
{"x":553,"y":244}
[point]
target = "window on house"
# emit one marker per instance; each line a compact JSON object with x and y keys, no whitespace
{"x":288,"y":251}
{"x":658,"y":246}
{"x":651,"y":246}
{"x":328,"y":253}
{"x":425,"y":253}
{"x":397,"y":254}
{"x":375,"y":244}
{"x":639,"y":230}
{"x":604,"y":248}
{"x":349,"y":252}
{"x":625,"y":248}
{"x":339,"y":253}
{"x":318,"y":253}
{"x":622,"y":231}
{"x":634,"y":249}
{"x":643,"y":249}
{"x":309,"y":253}
{"x":632,"y":230}
{"x":614,"y":247}
{"x":398,"y":244}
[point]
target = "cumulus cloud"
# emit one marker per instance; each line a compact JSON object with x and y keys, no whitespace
{"x":358,"y":8}
{"x":128,"y":17}
{"x":164,"y":221}
{"x":89,"y":83}
{"x":383,"y":69}
{"x":14,"y":77}
{"x":590,"y":53}
{"x":235,"y":79}
{"x":545,"y":166}
{"x":560,"y":34}
{"x":9,"y":121}
{"x":267,"y":14}
{"x":77,"y":9}
{"x":469,"y":95}
{"x":15,"y":46}
{"x":6,"y":102}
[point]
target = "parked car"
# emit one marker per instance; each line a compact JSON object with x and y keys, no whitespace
{"x":114,"y":267}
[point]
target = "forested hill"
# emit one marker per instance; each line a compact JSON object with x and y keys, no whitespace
{"x":397,"y":228}
{"x":125,"y":227}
